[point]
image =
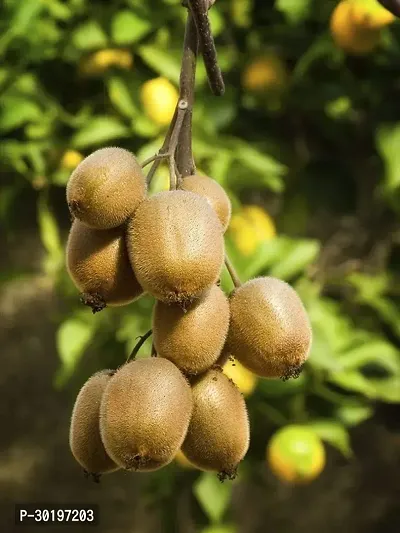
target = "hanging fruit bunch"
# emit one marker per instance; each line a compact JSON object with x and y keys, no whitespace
{"x":124,"y":243}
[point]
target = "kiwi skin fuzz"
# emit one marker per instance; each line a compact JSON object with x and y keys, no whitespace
{"x":98,"y":264}
{"x":84,"y":435}
{"x":213,"y":192}
{"x":144,"y":415}
{"x":176,"y":247}
{"x":219,"y":433}
{"x":106,"y":188}
{"x":193,"y":338}
{"x":270,"y":333}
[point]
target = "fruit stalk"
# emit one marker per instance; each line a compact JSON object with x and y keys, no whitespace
{"x":184,"y":155}
{"x":139,"y":344}
{"x":232,"y":272}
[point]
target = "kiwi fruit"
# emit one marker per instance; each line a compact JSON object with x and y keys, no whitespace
{"x":193,"y":338}
{"x":98,"y":263}
{"x":213,"y":192}
{"x":270,"y":333}
{"x":176,"y":246}
{"x":84,"y":435}
{"x":106,"y":188}
{"x":145,"y":412}
{"x":219,"y":433}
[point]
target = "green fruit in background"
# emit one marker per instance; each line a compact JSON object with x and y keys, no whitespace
{"x":106,"y":188}
{"x":296,"y":454}
{"x":145,"y":414}
{"x":84,"y":435}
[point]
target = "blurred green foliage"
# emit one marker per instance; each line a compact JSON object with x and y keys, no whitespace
{"x":325,"y":153}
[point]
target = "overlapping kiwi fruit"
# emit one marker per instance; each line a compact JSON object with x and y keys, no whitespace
{"x":123,"y":243}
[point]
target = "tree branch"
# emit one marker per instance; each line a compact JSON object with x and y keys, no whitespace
{"x":199,"y":9}
{"x":184,"y":155}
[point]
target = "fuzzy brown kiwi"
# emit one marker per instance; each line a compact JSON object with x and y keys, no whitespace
{"x":176,"y":246}
{"x":213,"y":192}
{"x":270,"y":332}
{"x":106,"y":188}
{"x":97,"y":261}
{"x":84,"y":435}
{"x":219,"y":433}
{"x":145,"y":412}
{"x":193,"y":338}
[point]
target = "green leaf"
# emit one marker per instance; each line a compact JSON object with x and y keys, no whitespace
{"x":388,"y":141}
{"x":219,"y":529}
{"x":334,"y":433}
{"x":352,"y":414}
{"x":164,"y":62}
{"x":354,"y":381}
{"x":294,"y":10}
{"x":16,"y":111}
{"x":387,"y":390}
{"x":128,"y":27}
{"x":49,"y":235}
{"x":266,"y":255}
{"x":301,"y":255}
{"x":261,"y":163}
{"x":378,"y":352}
{"x":212,"y":495}
{"x":99,"y":130}
{"x":89,"y":35}
{"x":120,"y":97}
{"x":73,"y":337}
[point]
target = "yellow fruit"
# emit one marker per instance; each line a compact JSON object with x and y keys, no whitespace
{"x":250,"y":227}
{"x":159,"y":98}
{"x":264,"y":74}
{"x":183,"y":461}
{"x":371,"y":14}
{"x":71,"y":159}
{"x":219,"y":433}
{"x":296,"y":454}
{"x":106,"y":187}
{"x":269,"y":331}
{"x":176,"y":246}
{"x":245,"y":380}
{"x":84,"y":434}
{"x":145,"y":413}
{"x":100,"y":61}
{"x":349,"y":35}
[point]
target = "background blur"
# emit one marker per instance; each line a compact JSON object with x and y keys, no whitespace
{"x":307,"y":143}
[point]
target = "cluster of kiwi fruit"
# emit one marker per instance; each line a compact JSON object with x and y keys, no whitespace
{"x":124,"y":243}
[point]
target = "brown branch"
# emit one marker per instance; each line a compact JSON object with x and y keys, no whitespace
{"x":184,"y":154}
{"x":139,"y":344}
{"x":199,"y":9}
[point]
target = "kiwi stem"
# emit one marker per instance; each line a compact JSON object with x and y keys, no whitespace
{"x":182,"y":108}
{"x":184,"y":154}
{"x":199,"y":9}
{"x":163,"y":151}
{"x":232,"y":271}
{"x":139,"y":344}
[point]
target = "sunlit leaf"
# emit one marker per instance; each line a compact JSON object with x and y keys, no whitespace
{"x":212,"y":495}
{"x":334,"y":433}
{"x":98,"y":130}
